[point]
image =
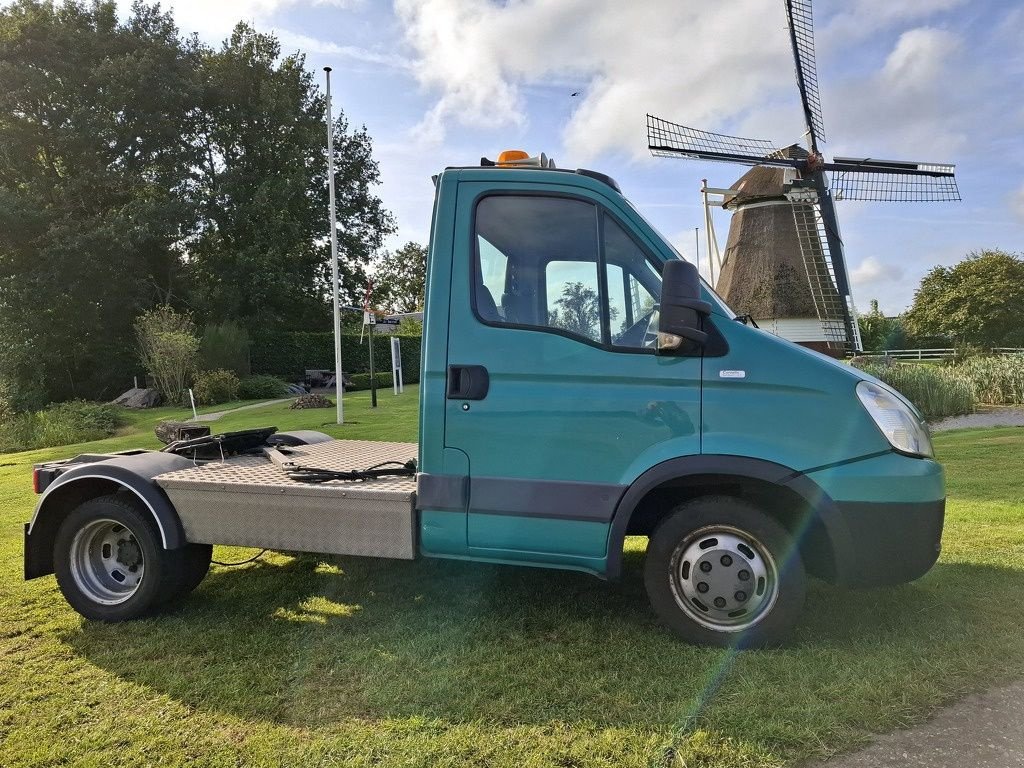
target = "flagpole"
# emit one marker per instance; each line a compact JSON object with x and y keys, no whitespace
{"x":339,"y":387}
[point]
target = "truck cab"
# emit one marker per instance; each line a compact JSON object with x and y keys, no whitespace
{"x":580,"y":384}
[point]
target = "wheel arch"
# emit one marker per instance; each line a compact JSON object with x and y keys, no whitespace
{"x":132,"y":475}
{"x":789,"y":496}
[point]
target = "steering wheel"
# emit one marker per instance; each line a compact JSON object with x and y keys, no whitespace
{"x":642,"y":333}
{"x":651,"y":333}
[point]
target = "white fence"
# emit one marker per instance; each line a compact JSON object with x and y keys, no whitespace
{"x":934,"y":354}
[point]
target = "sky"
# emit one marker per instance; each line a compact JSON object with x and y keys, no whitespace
{"x":444,"y":82}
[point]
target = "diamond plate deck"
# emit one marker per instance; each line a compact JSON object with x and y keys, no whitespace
{"x":250,"y":501}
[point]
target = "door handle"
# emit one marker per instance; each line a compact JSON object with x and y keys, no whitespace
{"x":468,"y":382}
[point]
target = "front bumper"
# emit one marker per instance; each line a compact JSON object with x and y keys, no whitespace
{"x":887,"y":514}
{"x":891,"y":543}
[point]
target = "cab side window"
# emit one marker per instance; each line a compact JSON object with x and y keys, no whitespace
{"x":563,"y":265}
{"x":537,"y":264}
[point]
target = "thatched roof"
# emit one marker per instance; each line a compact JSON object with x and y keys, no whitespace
{"x":759,"y":183}
{"x":764,"y":273}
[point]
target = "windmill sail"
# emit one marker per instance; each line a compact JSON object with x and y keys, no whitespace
{"x":668,"y":139}
{"x":897,"y":181}
{"x":834,"y":309}
{"x":801,"y":35}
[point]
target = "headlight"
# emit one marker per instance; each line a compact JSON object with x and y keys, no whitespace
{"x":897,"y":422}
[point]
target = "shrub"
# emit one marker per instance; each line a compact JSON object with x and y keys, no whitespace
{"x":937,"y":392}
{"x":225,"y":345}
{"x":261,"y":387}
{"x":212,"y":387}
{"x":167,"y":348}
{"x":998,"y":380}
{"x":359,"y":381}
{"x":73,"y":422}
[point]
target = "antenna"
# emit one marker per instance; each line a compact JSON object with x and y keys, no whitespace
{"x":339,"y":386}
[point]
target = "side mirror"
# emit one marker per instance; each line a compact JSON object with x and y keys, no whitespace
{"x":681,"y":311}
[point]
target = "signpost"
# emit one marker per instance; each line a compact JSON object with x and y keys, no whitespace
{"x":396,"y":363}
{"x":369,"y":320}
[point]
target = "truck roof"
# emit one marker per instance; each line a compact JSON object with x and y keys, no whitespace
{"x":532,"y":172}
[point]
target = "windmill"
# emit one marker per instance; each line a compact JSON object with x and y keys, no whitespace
{"x":784,"y":257}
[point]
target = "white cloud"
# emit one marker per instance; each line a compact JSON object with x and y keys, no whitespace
{"x":915,"y":104}
{"x":872,"y":271}
{"x":919,"y":58}
{"x":479,"y":56}
{"x":725,"y":67}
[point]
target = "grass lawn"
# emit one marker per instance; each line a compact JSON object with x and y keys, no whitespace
{"x":343,"y":661}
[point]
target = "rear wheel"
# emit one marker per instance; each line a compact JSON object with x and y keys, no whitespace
{"x":109,"y":561}
{"x":193,"y":566}
{"x":721,"y":572}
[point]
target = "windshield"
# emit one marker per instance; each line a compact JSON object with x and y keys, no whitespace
{"x":717,"y":300}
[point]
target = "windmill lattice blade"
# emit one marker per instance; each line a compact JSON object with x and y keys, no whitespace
{"x":893,"y":187}
{"x":801,"y":33}
{"x":832,"y":307}
{"x":666,"y":139}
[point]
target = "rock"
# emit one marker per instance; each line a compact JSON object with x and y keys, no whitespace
{"x":137,"y":397}
{"x":169,"y":431}
{"x":312,"y":401}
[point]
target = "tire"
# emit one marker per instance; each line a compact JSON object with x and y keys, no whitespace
{"x":194,"y":564}
{"x":109,"y":561}
{"x":721,"y":572}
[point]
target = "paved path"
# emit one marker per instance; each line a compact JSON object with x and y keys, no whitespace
{"x":217,"y":414}
{"x":983,"y":731}
{"x":990,"y":417}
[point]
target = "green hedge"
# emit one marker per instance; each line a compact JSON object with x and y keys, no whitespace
{"x":290,"y":353}
{"x":358,"y":381}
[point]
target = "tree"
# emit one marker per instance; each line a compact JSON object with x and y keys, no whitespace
{"x":979,"y":301}
{"x":400,"y":279}
{"x":93,"y":175}
{"x":138,"y":169}
{"x":579,"y":311}
{"x":168,"y":347}
{"x":880,"y":332}
{"x":262,"y":255}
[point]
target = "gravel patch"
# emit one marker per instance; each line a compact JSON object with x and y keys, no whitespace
{"x":983,"y":731}
{"x":990,"y":417}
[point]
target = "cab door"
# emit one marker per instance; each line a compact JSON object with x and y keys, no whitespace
{"x":554,"y":391}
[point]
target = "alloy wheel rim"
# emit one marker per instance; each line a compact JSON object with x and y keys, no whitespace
{"x":723,"y":578}
{"x":107,"y":563}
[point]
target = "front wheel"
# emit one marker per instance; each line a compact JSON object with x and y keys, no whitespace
{"x":721,"y":572}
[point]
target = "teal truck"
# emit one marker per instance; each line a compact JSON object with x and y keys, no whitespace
{"x":580,"y":384}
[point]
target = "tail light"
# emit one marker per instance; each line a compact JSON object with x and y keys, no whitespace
{"x":35,"y":480}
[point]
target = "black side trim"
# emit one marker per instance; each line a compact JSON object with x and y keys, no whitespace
{"x":740,"y":467}
{"x":555,"y":499}
{"x":449,"y":492}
